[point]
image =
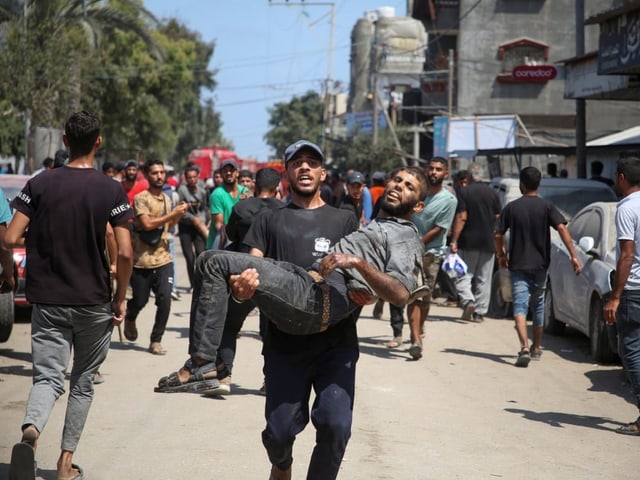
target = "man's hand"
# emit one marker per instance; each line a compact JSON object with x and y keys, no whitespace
{"x":337,"y":260}
{"x":244,"y":286}
{"x":362,"y":297}
{"x":119,"y":312}
{"x":575,"y":263}
{"x":7,"y":282}
{"x":180,"y":209}
{"x":610,"y":309}
{"x":503,"y":261}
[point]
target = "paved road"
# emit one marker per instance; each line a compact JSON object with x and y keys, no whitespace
{"x":462,"y":412}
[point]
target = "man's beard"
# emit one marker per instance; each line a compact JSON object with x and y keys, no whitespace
{"x":131,"y":177}
{"x":436,"y":183}
{"x":229,"y":181}
{"x":303,"y":193}
{"x":396,"y":210}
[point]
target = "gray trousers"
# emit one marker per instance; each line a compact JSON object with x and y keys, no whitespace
{"x":55,"y":330}
{"x":480,"y":267}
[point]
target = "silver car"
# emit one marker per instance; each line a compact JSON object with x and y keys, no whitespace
{"x":577,"y":300}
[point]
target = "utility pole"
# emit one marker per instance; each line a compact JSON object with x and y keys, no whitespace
{"x":327,"y":116}
{"x":581,"y":105}
{"x":450,"y":85}
{"x":376,"y":101}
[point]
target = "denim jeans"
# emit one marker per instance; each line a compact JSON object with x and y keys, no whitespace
{"x":628,"y":323}
{"x":287,"y":295}
{"x":289,"y":379}
{"x":528,"y":287}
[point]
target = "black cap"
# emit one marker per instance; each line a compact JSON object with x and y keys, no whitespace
{"x":230,"y":163}
{"x":294,"y":148}
{"x":131,"y":163}
{"x":355,"y":177}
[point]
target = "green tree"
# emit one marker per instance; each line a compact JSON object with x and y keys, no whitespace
{"x":300,"y":118}
{"x":46,"y":44}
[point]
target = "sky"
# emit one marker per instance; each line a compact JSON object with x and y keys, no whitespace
{"x":266,"y":52}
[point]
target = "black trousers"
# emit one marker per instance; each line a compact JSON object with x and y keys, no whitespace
{"x":143,"y":281}
{"x":192,"y":244}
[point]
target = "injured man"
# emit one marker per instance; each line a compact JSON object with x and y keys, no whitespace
{"x":382,"y":260}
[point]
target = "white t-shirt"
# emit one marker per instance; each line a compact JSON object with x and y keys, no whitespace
{"x":628,"y":228}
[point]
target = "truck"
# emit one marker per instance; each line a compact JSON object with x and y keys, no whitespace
{"x":208,"y":159}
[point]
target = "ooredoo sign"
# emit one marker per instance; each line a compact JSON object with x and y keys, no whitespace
{"x":534,"y":73}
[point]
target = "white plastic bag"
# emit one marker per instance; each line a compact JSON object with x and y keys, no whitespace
{"x":454,"y":266}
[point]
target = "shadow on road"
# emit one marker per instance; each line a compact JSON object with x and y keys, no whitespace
{"x":484,"y":355}
{"x":559,"y":419}
{"x":613,"y":381}
{"x":375,"y":346}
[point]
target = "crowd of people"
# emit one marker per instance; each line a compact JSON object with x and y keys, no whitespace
{"x":309,"y":257}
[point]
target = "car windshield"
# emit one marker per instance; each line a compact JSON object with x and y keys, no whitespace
{"x":570,"y":200}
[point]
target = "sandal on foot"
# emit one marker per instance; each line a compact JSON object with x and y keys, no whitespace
{"x":524,"y":357}
{"x":80,"y":475}
{"x":536,"y":353}
{"x":415,"y":351}
{"x":202,"y":379}
{"x":23,"y":464}
{"x":632,"y":428}
{"x":395,"y":343}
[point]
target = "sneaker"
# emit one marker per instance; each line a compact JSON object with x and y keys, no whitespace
{"x":467,"y":311}
{"x":130,"y":330}
{"x":524,"y":357}
{"x":97,"y":378}
{"x":477,"y":318}
{"x":175,"y":295}
{"x":415,"y":351}
{"x":156,"y":349}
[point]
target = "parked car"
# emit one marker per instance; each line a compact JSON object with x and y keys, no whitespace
{"x":568,"y":195}
{"x":11,"y":186}
{"x":577,"y":300}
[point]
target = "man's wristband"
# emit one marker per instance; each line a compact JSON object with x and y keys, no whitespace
{"x":236,"y":300}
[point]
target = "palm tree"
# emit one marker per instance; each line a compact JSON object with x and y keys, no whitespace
{"x":46,"y":44}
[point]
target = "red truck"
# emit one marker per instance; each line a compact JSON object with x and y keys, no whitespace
{"x":209,"y":159}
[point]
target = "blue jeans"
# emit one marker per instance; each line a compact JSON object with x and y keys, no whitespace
{"x":528,"y":287}
{"x":287,"y":295}
{"x":628,"y":323}
{"x":289,"y":379}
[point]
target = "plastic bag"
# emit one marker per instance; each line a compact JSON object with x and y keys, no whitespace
{"x":454,"y":266}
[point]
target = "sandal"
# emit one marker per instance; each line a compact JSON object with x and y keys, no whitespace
{"x":524,"y":357}
{"x":395,"y":343}
{"x":632,"y":428}
{"x":80,"y":475}
{"x":415,"y":351}
{"x":200,"y":380}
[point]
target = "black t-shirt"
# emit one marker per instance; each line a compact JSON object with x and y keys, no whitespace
{"x":242,"y":216}
{"x":68,"y":210}
{"x":482,"y":205}
{"x":301,"y":236}
{"x":528,"y":220}
{"x":347,"y":204}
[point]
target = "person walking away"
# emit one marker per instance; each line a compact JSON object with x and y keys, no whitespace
{"x":433,"y":222}
{"x":596,"y":173}
{"x":623,"y":306}
{"x":193,"y":225}
{"x":153,"y":267}
{"x":472,"y":239}
{"x":221,"y":202}
{"x":243,"y":215}
{"x":528,"y":220}
{"x":69,"y":287}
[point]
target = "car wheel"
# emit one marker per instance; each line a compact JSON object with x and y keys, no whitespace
{"x":599,"y":335}
{"x":498,"y":306}
{"x":7,"y":313}
{"x":551,"y":325}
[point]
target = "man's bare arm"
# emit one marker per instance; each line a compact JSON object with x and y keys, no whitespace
{"x":386,"y":287}
{"x":123,"y":271}
{"x":6,"y":261}
{"x":14,"y":237}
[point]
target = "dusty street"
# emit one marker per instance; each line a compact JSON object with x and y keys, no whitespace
{"x":461,"y":412}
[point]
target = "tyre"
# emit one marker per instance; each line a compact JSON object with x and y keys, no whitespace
{"x":7,"y":313}
{"x":599,"y":335}
{"x":551,"y":325}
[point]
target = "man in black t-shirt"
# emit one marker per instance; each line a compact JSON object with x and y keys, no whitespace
{"x":528,"y":220}
{"x":68,"y":283}
{"x":472,"y":239}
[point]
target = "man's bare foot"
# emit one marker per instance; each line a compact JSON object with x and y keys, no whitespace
{"x":30,"y":435}
{"x":66,"y":469}
{"x":277,"y":474}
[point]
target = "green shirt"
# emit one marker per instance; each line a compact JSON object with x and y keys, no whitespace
{"x":439,"y":210}
{"x":221,"y":202}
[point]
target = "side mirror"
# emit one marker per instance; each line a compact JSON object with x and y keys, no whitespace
{"x":586,"y":244}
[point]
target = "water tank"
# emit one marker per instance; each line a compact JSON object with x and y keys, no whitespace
{"x":361,"y":41}
{"x":386,"y":12}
